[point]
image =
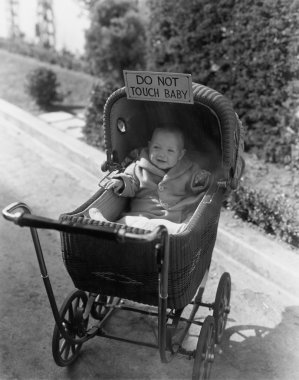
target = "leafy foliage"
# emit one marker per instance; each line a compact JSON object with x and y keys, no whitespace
{"x":93,"y":130}
{"x":274,"y":215}
{"x":245,"y":49}
{"x":116,"y":38}
{"x":41,"y":85}
{"x":88,"y":4}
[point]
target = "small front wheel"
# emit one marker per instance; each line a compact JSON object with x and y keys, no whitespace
{"x":65,"y":351}
{"x":204,"y":354}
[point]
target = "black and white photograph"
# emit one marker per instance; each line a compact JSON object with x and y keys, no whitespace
{"x":149,"y":189}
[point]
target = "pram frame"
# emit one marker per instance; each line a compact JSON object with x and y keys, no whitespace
{"x":167,"y":348}
{"x":213,"y":326}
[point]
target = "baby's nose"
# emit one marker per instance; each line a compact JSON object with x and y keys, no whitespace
{"x":162,"y":154}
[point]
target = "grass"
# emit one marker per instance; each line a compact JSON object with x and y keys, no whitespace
{"x":14,"y":69}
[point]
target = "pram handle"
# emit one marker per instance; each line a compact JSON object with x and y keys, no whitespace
{"x":9,"y":211}
{"x":24,"y":218}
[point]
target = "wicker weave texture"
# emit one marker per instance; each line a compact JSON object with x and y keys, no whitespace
{"x":129,"y":270}
{"x":209,"y":103}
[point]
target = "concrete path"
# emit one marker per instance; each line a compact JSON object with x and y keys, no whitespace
{"x":262,"y":333}
{"x":61,"y":132}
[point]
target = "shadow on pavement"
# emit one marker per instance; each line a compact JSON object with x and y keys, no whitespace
{"x":258,"y":352}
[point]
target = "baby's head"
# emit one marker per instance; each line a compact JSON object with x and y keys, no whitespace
{"x":166,"y":147}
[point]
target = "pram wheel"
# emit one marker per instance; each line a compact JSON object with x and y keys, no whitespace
{"x":204,"y":354}
{"x":71,"y":312}
{"x":99,"y":309}
{"x":222,"y":305}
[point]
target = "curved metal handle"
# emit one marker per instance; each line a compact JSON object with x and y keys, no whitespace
{"x":123,"y":235}
{"x":24,"y":218}
{"x":9,"y":211}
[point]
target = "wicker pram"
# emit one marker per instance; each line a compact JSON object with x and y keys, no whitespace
{"x":109,"y":262}
{"x":214,"y":138}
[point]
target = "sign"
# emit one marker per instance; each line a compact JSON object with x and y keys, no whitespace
{"x":159,"y":87}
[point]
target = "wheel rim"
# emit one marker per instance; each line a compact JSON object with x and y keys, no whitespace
{"x":208,"y":355}
{"x":204,"y":354}
{"x":66,"y":351}
{"x":222,"y":306}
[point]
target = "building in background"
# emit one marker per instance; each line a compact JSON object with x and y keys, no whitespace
{"x":45,"y":29}
{"x":57,"y":23}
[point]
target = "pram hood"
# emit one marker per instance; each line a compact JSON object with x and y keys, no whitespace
{"x":213,"y":132}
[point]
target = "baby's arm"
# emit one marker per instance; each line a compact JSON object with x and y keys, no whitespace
{"x":124,"y":184}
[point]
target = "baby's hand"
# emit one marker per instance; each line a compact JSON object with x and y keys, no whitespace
{"x":201,"y":179}
{"x":115,"y":184}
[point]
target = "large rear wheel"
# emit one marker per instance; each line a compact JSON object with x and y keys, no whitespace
{"x":222,"y":305}
{"x":204,"y":354}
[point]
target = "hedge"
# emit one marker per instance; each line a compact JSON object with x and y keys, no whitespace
{"x":274,"y":215}
{"x":245,"y":49}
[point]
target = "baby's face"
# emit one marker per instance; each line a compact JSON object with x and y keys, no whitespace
{"x":165,"y":149}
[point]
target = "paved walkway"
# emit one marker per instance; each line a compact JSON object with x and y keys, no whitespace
{"x":261,"y":316}
{"x":262,"y":328}
{"x":61,"y":133}
{"x":65,"y":122}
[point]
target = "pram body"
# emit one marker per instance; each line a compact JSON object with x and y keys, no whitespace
{"x":111,"y":261}
{"x":212,"y":132}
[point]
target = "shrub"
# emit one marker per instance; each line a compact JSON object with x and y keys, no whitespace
{"x":41,"y":84}
{"x":274,"y":215}
{"x":116,"y":38}
{"x":244,"y":49}
{"x":93,"y":130}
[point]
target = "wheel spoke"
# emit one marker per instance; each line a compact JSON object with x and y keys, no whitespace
{"x":76,"y":303}
{"x":74,"y":348}
{"x":66,"y":323}
{"x":67,"y":351}
{"x":71,"y":313}
{"x":62,"y":347}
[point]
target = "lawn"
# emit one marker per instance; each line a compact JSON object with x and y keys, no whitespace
{"x":13,"y":71}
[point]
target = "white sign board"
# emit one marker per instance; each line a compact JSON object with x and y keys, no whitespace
{"x":159,"y":87}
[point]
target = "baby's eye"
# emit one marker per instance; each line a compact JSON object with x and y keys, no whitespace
{"x":170,"y":150}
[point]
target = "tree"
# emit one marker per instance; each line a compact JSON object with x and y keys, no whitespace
{"x":88,"y":4}
{"x":116,"y":38}
{"x":93,"y":130}
{"x":245,"y":49}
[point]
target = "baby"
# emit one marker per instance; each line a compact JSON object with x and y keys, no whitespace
{"x":163,"y":184}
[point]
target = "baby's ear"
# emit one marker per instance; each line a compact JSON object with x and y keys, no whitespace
{"x":183,"y":151}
